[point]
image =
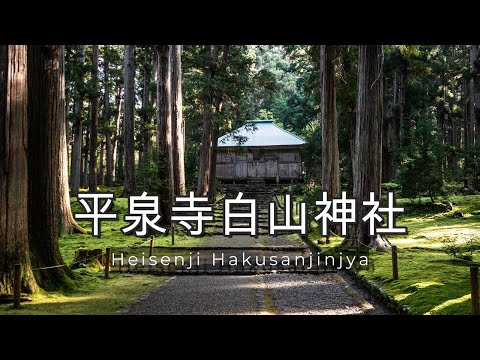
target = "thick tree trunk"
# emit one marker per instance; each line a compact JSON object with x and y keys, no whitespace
{"x":216,"y":129}
{"x":442,"y":123}
{"x":106,"y":112}
{"x":474,"y":132}
{"x":129,"y":122}
{"x":204,"y":175}
{"x":392,"y":133}
{"x":76,"y":157}
{"x":454,"y":139}
{"x":49,"y":210}
{"x":14,"y":247}
{"x":368,"y":141}
{"x":67,"y":123}
{"x":451,"y":137}
{"x":178,"y":123}
{"x":213,"y":163}
{"x":469,"y":95}
{"x":350,"y":124}
{"x":101,"y":170}
{"x":164,"y":130}
{"x":84,"y":178}
{"x":92,"y":169}
{"x":470,"y":126}
{"x":330,"y":154}
{"x":109,"y":163}
{"x":205,"y":147}
{"x":145,"y":155}
{"x":116,"y":133}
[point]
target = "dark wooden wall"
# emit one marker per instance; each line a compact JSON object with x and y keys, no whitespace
{"x":259,"y":163}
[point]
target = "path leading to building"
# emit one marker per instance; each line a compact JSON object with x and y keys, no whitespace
{"x":256,"y":289}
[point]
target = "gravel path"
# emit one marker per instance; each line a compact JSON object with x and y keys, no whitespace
{"x":304,"y":294}
{"x":201,"y":295}
{"x":285,"y":294}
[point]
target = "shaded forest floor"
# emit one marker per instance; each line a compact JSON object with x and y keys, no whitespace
{"x":430,"y":280}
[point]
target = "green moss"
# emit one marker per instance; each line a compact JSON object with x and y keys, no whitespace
{"x":430,"y":281}
{"x":92,"y":295}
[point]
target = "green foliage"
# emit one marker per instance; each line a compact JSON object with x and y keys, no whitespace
{"x":265,"y":114}
{"x":460,"y":250}
{"x":391,"y":186}
{"x":148,"y":172}
{"x":312,"y":151}
{"x":280,"y":76}
{"x":232,"y":82}
{"x":421,"y":168}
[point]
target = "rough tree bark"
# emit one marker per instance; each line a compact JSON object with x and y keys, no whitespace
{"x":350,"y":117}
{"x":164,"y":130}
{"x":106,"y":112}
{"x":76,"y":157}
{"x":391,"y":134}
{"x":84,"y":175}
{"x":204,"y":176}
{"x":129,"y":122}
{"x":92,"y":169}
{"x":101,"y":162}
{"x":14,"y":248}
{"x":471,"y":108}
{"x":67,"y":123}
{"x":216,"y":127}
{"x":368,"y":141}
{"x":452,"y":152}
{"x":213,"y":163}
{"x":49,"y":210}
{"x":330,"y":154}
{"x":469,"y":111}
{"x":441,"y":116}
{"x":145,"y":153}
{"x":116,"y":133}
{"x":470,"y":120}
{"x":178,"y":123}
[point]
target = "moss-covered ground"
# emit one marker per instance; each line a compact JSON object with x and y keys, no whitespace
{"x":430,"y":281}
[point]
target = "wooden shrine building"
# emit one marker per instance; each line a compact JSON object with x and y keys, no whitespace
{"x":261,"y":151}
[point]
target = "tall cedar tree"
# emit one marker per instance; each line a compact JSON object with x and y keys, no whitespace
{"x":218,"y":105}
{"x":94,"y":94}
{"x":107,"y":116}
{"x":368,"y":140}
{"x":76,"y":157}
{"x":14,"y":248}
{"x":392,"y":126}
{"x":129,"y":121}
{"x":164,"y":129}
{"x":470,"y":115}
{"x":116,"y":128}
{"x":203,"y":182}
{"x":49,"y":210}
{"x":178,"y":123}
{"x":330,"y":155}
{"x":144,"y":158}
